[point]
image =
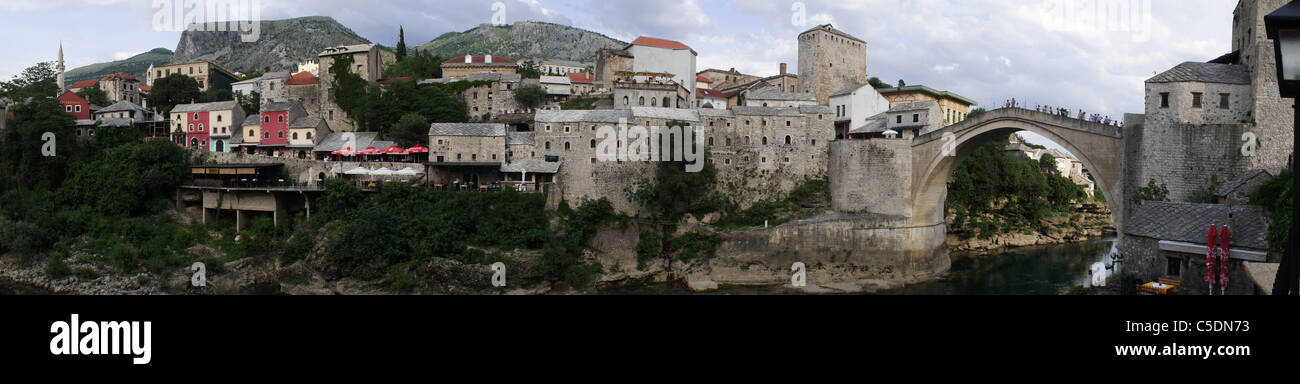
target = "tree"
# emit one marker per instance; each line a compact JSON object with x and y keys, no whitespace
{"x":901,"y":83}
{"x":252,"y":74}
{"x":36,"y":112}
{"x":172,"y":90}
{"x":410,"y":130}
{"x":216,"y":94}
{"x":877,"y":84}
{"x":350,"y":90}
{"x":530,"y":96}
{"x":420,"y":65}
{"x":94,"y":95}
{"x":401,"y":43}
{"x":530,"y":70}
{"x":251,"y":103}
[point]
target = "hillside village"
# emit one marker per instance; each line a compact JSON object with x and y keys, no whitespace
{"x":850,"y":156}
{"x":774,"y":125}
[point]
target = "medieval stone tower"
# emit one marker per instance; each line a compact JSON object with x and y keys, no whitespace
{"x":1273,"y":116}
{"x":829,"y":61}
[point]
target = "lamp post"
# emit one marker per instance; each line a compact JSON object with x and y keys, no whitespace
{"x":1283,"y":27}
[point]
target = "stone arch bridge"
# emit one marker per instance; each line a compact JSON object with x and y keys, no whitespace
{"x":936,"y":154}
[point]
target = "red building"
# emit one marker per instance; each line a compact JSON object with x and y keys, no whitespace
{"x":275,"y":124}
{"x":75,"y":105}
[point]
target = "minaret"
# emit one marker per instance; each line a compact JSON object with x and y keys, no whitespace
{"x":60,"y":68}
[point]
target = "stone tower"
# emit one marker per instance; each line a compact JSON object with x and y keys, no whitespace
{"x":829,"y":61}
{"x":1273,"y":116}
{"x":59,"y":67}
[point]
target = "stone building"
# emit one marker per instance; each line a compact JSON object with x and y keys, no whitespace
{"x":1191,"y":133}
{"x":708,"y":98}
{"x":271,"y":86}
{"x":466,"y":152}
{"x":1272,"y":118}
{"x":830,"y":59}
{"x":581,"y":83}
{"x":247,"y":87}
{"x":470,"y":64}
{"x":953,"y":107}
{"x":628,"y":94}
{"x":777,"y":97}
{"x":366,"y":62}
{"x":610,"y":62}
{"x":208,"y":74}
{"x":721,"y":80}
{"x":914,"y":119}
{"x":304,"y":88}
{"x":305,"y":133}
{"x":121,"y":87}
{"x":493,"y":94}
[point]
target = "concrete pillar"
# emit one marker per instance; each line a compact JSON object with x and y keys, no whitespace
{"x":307,"y":204}
{"x":205,"y":215}
{"x":279,"y":214}
{"x":240,"y":221}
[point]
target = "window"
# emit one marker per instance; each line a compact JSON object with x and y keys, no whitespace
{"x":1174,"y":267}
{"x":787,"y":123}
{"x":710,"y":141}
{"x":266,"y":135}
{"x":787,"y":140}
{"x":473,"y":157}
{"x":250,"y":133}
{"x":566,"y":146}
{"x":196,"y":116}
{"x":652,"y":102}
{"x":641,"y":101}
{"x":666,"y":103}
{"x":308,"y":135}
{"x":624,"y":100}
{"x":200,"y":127}
{"x":548,"y":145}
{"x":295,"y":135}
{"x":916,"y":117}
{"x":764,"y":140}
{"x":280,"y":118}
{"x":281,"y":135}
{"x":266,"y":119}
{"x":900,"y":119}
{"x":218,"y":118}
{"x":1196,"y":99}
{"x":1164,"y":100}
{"x":67,"y":108}
{"x":593,"y":143}
{"x":1223,"y":100}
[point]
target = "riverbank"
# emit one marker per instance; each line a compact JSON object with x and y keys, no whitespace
{"x":1089,"y":221}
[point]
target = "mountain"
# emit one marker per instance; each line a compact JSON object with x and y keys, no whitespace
{"x":523,"y":39}
{"x":282,"y":45}
{"x":134,"y":66}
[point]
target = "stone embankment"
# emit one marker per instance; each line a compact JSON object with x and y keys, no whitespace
{"x":1090,"y":221}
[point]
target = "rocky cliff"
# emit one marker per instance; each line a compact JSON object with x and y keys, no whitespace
{"x":283,"y":44}
{"x":523,"y":39}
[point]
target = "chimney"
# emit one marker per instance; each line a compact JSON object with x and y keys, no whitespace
{"x":783,"y":69}
{"x":469,"y":59}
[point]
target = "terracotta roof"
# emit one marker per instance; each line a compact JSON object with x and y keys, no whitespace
{"x":84,"y":83}
{"x":702,"y":79}
{"x":710,"y":93}
{"x":481,"y":60}
{"x":146,"y":88}
{"x":301,"y":78}
{"x":580,"y":78}
{"x":659,"y":43}
{"x":119,"y":75}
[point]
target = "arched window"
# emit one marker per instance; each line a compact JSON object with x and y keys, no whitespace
{"x":295,"y":135}
{"x":281,"y":135}
{"x":266,"y":135}
{"x":593,"y":143}
{"x":710,"y":141}
{"x":764,"y":140}
{"x":250,"y":133}
{"x":787,"y":140}
{"x":566,"y":146}
{"x":548,"y":145}
{"x":266,"y":119}
{"x":308,"y":135}
{"x":218,"y":118}
{"x":194,"y":143}
{"x":652,"y":102}
{"x":280,"y":118}
{"x":624,"y":100}
{"x":641,"y":101}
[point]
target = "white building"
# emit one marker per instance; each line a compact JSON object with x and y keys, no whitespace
{"x":247,"y":87}
{"x":665,"y":56}
{"x":557,"y":85}
{"x":855,"y":106}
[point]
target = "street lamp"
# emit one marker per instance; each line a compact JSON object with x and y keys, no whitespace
{"x":1283,"y":27}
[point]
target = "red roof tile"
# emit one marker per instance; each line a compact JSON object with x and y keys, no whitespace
{"x":303,"y":77}
{"x":660,"y":43}
{"x":84,"y":83}
{"x":581,"y":78}
{"x":481,"y":60}
{"x":710,"y":93}
{"x":119,"y":75}
{"x":702,"y":79}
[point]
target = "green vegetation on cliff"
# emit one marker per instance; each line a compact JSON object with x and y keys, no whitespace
{"x":993,"y":191}
{"x":1275,"y":196}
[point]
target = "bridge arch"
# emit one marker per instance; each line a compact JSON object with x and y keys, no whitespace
{"x":1098,"y":146}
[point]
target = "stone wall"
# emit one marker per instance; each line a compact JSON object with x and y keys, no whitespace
{"x":871,"y":176}
{"x":1185,"y":157}
{"x":1144,"y":261}
{"x":1181,"y":109}
{"x":1274,"y":117}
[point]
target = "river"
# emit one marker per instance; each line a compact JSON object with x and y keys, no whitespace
{"x":1040,"y":270}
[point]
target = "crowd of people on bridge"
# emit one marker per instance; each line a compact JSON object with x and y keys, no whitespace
{"x":1065,"y":112}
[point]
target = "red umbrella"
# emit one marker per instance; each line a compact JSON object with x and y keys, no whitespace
{"x":417,"y":149}
{"x":369,"y":151}
{"x":343,"y":152}
{"x":393,"y":150}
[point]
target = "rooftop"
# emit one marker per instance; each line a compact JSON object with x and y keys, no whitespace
{"x":205,"y":107}
{"x":927,"y":90}
{"x":914,"y":106}
{"x":354,"y":140}
{"x":347,"y":49}
{"x":122,"y":106}
{"x":1204,"y":73}
{"x":776,"y":93}
{"x":303,"y":78}
{"x":766,"y":111}
{"x":687,"y":115}
{"x":581,"y":78}
{"x":1188,"y":222}
{"x":468,"y":129}
{"x":660,"y":43}
{"x":831,"y":29}
{"x":481,"y":60}
{"x":584,"y":116}
{"x":531,"y":166}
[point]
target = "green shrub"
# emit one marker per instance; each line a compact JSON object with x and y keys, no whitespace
{"x":400,"y":279}
{"x":1275,"y":196}
{"x":85,"y":273}
{"x":57,"y":268}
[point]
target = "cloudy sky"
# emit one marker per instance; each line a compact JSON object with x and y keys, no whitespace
{"x":1059,"y":52}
